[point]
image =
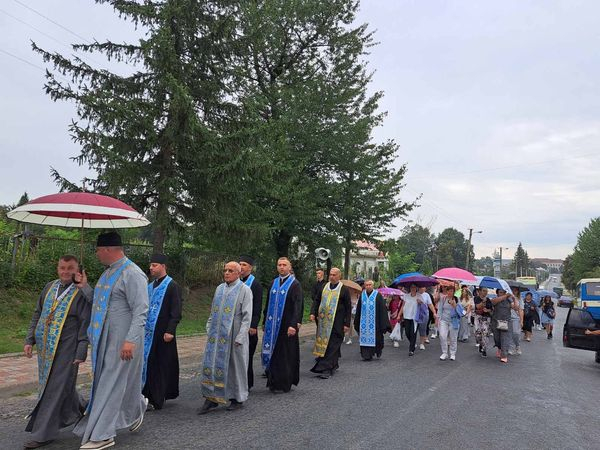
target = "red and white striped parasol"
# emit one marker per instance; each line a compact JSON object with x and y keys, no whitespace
{"x":79,"y":210}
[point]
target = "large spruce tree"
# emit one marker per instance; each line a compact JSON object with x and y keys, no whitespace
{"x":155,"y":136}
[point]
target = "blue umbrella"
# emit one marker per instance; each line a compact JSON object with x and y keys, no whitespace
{"x":399,"y":278}
{"x":543,"y":293}
{"x":493,"y":283}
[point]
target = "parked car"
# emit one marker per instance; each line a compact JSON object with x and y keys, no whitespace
{"x":565,"y":302}
{"x":579,"y":320}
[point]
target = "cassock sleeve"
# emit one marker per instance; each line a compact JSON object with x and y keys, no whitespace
{"x":246,"y":305}
{"x":84,"y":311}
{"x":88,"y":293}
{"x":298,"y":301}
{"x":382,"y":315}
{"x":257,"y":293}
{"x":30,"y":339}
{"x":266,"y":310}
{"x":347,"y":302}
{"x":176,"y":303}
{"x":357,"y":315}
{"x":314,"y":310}
{"x":136,"y":291}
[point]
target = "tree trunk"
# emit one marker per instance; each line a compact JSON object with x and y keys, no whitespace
{"x":282,"y":243}
{"x":162,"y":203}
{"x":347,"y":249}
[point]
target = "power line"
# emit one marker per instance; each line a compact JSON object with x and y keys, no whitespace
{"x":29,"y":63}
{"x":440,"y":209}
{"x":48,"y":36}
{"x":21,"y":59}
{"x":52,"y":21}
{"x":34,"y":28}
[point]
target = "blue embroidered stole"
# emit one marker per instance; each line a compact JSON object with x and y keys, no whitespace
{"x":102,"y":292}
{"x":156,"y":297}
{"x":249,"y":281}
{"x":327,"y":310}
{"x":215,"y":365}
{"x":49,"y":328}
{"x":368,"y":317}
{"x":277,"y":298}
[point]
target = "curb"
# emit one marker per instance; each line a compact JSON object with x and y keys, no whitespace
{"x":185,"y":360}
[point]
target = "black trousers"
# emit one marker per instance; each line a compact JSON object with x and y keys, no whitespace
{"x":411,"y":334}
{"x":251,"y":349}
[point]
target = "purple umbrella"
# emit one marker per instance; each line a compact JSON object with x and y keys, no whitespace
{"x":386,"y":291}
{"x":419,"y":280}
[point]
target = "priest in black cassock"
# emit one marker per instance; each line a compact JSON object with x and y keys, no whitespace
{"x":161,"y":362}
{"x":332,"y":313}
{"x":282,"y":315}
{"x":371,"y":321}
{"x":247,"y":265}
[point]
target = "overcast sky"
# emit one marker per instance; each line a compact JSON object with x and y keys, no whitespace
{"x":495,"y":106}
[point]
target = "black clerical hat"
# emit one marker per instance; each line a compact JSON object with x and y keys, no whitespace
{"x":109,"y":239}
{"x":247,"y":259}
{"x":159,"y":258}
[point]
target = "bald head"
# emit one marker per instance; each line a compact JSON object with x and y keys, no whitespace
{"x":231,"y":271}
{"x":334,"y":275}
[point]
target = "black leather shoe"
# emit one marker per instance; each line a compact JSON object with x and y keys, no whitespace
{"x":36,"y":444}
{"x":208,"y":405}
{"x":235,"y":405}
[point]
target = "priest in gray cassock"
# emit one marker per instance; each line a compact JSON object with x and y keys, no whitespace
{"x":224,"y":374}
{"x":116,"y":335}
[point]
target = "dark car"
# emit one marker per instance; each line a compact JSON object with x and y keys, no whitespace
{"x":565,"y":302}
{"x":579,"y":320}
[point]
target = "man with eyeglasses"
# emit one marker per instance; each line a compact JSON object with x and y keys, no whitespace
{"x":224,"y":375}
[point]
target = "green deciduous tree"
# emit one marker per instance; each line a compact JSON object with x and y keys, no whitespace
{"x":451,"y":249}
{"x":586,"y":255}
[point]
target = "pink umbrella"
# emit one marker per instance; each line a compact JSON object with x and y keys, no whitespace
{"x":79,"y":210}
{"x":386,"y":291}
{"x":455,"y":274}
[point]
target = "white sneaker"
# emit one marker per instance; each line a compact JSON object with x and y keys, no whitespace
{"x":396,"y":344}
{"x":519,"y":352}
{"x":452,"y":357}
{"x":476,"y":345}
{"x":98,"y":445}
{"x":444,"y":357}
{"x":138,"y":423}
{"x":427,"y":341}
{"x":422,"y":347}
{"x":434,"y":336}
{"x":349,"y":341}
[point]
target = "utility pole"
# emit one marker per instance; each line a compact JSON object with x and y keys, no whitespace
{"x":469,"y":247}
{"x":501,"y":248}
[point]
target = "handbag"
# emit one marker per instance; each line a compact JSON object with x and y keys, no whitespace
{"x":501,"y":325}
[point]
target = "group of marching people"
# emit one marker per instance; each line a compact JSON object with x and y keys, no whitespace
{"x":452,"y":311}
{"x":129,"y":324}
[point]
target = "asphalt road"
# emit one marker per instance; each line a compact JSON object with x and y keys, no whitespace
{"x":547,"y":398}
